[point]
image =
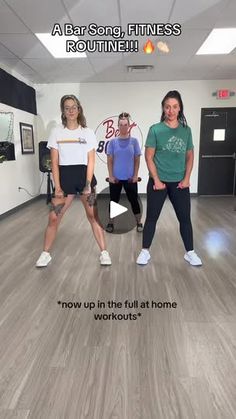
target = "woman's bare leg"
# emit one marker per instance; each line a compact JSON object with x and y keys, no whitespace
{"x":92,"y":215}
{"x":53,"y":224}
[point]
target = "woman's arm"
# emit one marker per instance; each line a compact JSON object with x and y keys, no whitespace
{"x":55,"y":171}
{"x":112,"y":179}
{"x":185,"y":183}
{"x":136,"y":165}
{"x":149,"y":156}
{"x":91,"y":164}
{"x":110,"y":165}
{"x":90,"y":171}
{"x":136,"y":169}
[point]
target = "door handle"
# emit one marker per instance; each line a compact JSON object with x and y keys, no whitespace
{"x":215,"y":156}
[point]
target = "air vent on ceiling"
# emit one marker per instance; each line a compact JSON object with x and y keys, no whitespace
{"x":139,"y":68}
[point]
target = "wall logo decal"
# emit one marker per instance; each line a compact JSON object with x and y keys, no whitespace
{"x":108,"y":129}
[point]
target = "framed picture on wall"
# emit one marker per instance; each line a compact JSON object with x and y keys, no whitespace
{"x":27,"y":138}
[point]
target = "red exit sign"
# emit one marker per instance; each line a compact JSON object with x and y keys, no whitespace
{"x":223,"y":94}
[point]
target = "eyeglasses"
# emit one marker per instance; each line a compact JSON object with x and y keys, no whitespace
{"x":71,"y":108}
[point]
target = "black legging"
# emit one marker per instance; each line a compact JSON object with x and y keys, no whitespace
{"x":180,"y":199}
{"x":131,"y":190}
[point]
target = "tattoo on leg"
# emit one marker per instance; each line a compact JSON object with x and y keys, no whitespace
{"x":56,"y":208}
{"x":92,"y":199}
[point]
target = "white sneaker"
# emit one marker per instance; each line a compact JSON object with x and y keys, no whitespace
{"x":105,"y":258}
{"x":43,"y":260}
{"x":143,"y":257}
{"x":192,"y":258}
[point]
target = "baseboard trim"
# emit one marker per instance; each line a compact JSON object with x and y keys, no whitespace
{"x":194,"y":194}
{"x":43,"y":196}
{"x":25,"y":204}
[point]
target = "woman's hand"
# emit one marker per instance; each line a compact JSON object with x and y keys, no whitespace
{"x":183,"y":184}
{"x":133,"y":179}
{"x":112,"y":179}
{"x":59,"y":193}
{"x":87,"y":188}
{"x":158,"y":185}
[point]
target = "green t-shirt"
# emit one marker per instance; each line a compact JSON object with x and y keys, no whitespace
{"x":171,"y":145}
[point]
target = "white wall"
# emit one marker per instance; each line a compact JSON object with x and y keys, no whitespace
{"x":24,"y":170}
{"x":20,"y":172}
{"x":142,"y":101}
{"x":99,"y":101}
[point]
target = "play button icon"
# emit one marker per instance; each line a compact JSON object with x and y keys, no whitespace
{"x":116,"y":209}
{"x":120,"y":214}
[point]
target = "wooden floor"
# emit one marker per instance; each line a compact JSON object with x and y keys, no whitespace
{"x":61,"y":363}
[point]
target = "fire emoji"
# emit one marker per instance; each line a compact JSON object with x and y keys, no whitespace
{"x":148,"y":47}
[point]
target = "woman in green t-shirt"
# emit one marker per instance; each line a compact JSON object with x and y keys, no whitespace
{"x":169,"y":158}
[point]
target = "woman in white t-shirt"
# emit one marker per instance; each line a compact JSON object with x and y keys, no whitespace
{"x":72,"y":148}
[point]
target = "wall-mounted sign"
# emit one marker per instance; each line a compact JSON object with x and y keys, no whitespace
{"x":223,"y":94}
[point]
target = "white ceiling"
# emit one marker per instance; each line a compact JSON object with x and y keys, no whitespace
{"x":20,"y":50}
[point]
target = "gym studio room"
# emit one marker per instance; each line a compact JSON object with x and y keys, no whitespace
{"x":117,"y":209}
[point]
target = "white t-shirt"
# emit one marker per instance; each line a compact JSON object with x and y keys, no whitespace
{"x":73,"y":145}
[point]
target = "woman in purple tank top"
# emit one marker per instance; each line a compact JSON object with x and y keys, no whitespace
{"x":123,"y":159}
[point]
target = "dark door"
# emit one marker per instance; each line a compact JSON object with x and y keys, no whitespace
{"x":217,"y":154}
